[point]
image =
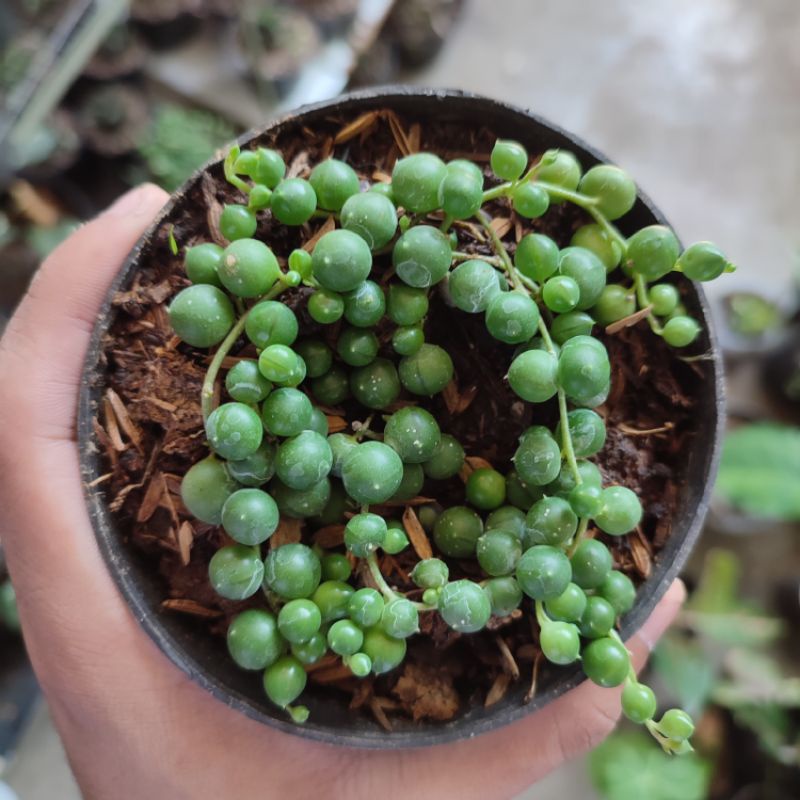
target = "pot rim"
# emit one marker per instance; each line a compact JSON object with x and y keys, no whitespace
{"x":116,"y":558}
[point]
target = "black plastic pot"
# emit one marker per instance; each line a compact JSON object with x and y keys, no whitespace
{"x":203,"y":657}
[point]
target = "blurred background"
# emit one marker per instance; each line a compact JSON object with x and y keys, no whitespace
{"x":700,"y":101}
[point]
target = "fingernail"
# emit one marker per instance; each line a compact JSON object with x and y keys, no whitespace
{"x":133,"y":203}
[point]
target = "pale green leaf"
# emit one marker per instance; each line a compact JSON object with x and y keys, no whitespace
{"x":631,"y":766}
{"x":718,"y":588}
{"x":760,"y":470}
{"x":686,"y":671}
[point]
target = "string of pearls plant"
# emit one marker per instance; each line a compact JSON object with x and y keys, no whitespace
{"x":536,"y":527}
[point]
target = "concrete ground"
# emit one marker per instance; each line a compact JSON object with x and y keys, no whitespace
{"x":699,"y":100}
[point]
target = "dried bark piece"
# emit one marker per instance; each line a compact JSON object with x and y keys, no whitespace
{"x":329,"y":536}
{"x":537,"y":665}
{"x":361,"y":695}
{"x":509,"y":664}
{"x":336,"y":423}
{"x":379,"y":714}
{"x":400,"y":136}
{"x":112,"y":426}
{"x":117,"y":503}
{"x":465,"y":401}
{"x":390,"y":566}
{"x":498,"y":689}
{"x":185,"y":542}
{"x":451,"y":396}
{"x":359,"y":125}
{"x":326,"y":227}
{"x":476,"y":462}
{"x":419,"y":500}
{"x":169,"y":504}
{"x":366,"y":578}
{"x":192,"y":607}
{"x":213,"y":210}
{"x":100,"y":479}
{"x":326,"y":662}
{"x":299,"y":166}
{"x":326,"y":151}
{"x":157,"y":294}
{"x":152,"y":498}
{"x":416,"y":534}
{"x":667,"y":426}
{"x":629,"y":321}
{"x":641,"y":557}
{"x":501,"y":226}
{"x":170,"y":408}
{"x":498,"y":623}
{"x":427,"y":692}
{"x":414,"y":137}
{"x":474,"y":231}
{"x":332,"y":674}
{"x":289,"y":531}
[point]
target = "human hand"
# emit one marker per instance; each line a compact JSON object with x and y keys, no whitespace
{"x":133,"y":725}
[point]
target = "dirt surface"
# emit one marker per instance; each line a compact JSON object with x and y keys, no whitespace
{"x":150,"y":427}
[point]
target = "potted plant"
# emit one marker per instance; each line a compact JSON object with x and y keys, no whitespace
{"x":112,"y":119}
{"x":453,"y":421}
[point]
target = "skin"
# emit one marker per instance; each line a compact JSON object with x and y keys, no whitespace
{"x":132,"y":724}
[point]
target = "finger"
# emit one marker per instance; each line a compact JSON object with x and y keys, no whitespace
{"x":46,"y":340}
{"x":526,"y":751}
{"x":642,"y":643}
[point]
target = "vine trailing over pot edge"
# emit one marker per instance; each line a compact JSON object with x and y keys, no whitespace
{"x":543,"y":303}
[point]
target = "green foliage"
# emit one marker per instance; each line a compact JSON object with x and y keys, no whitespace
{"x":627,"y":767}
{"x":44,"y":239}
{"x":752,"y":315}
{"x":541,"y":554}
{"x":9,"y":614}
{"x":760,"y":468}
{"x":686,"y":671}
{"x":179,"y":140}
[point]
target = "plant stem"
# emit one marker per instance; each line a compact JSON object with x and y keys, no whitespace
{"x":500,"y":249}
{"x":583,"y":525}
{"x":363,"y":430}
{"x":386,"y":590}
{"x":509,"y":186}
{"x":498,"y":191}
{"x":576,"y":198}
{"x":207,"y":391}
{"x":380,"y":581}
{"x":566,"y":437}
{"x":644,"y":302}
{"x":541,"y":616}
{"x":515,"y":278}
{"x":493,"y":260}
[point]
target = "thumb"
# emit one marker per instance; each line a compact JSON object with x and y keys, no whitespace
{"x":46,"y":341}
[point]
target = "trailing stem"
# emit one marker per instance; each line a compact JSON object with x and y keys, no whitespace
{"x":207,"y":391}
